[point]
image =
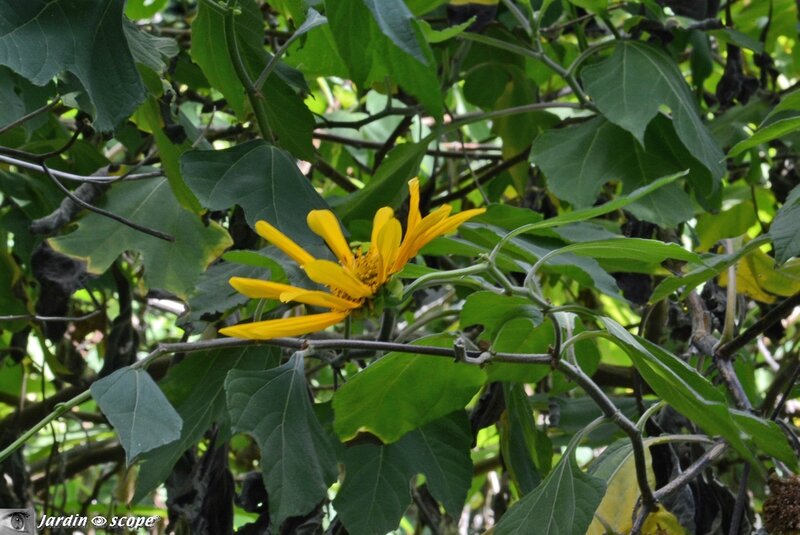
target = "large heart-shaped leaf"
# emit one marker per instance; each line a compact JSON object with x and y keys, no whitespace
{"x":171,"y":266}
{"x":630,"y":87}
{"x":43,"y":38}
{"x":375,"y":492}
{"x":263,"y":179}
{"x":297,"y":461}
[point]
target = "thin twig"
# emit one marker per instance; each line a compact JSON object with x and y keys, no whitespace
{"x":29,"y":116}
{"x":31,"y":317}
{"x":76,"y":178}
{"x":118,"y":218}
{"x":356,"y":125}
{"x":368,"y":144}
{"x":786,"y":393}
{"x":771,"y":317}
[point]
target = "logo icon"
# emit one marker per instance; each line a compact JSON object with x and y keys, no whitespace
{"x":17,"y":522}
{"x":99,"y":521}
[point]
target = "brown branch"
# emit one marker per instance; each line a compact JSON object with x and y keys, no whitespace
{"x":336,"y":177}
{"x":706,"y":343}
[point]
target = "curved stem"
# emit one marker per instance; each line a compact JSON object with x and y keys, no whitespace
{"x":454,"y":276}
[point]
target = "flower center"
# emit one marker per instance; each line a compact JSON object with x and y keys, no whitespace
{"x":367,"y":266}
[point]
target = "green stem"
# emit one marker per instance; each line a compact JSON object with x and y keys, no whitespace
{"x":253,"y":95}
{"x":455,"y":276}
{"x":59,"y":410}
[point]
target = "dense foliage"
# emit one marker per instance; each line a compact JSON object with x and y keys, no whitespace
{"x":610,"y":347}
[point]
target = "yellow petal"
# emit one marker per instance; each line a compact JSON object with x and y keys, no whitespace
{"x":337,"y":277}
{"x":260,"y":289}
{"x":283,"y":242}
{"x":387,"y":244}
{"x":407,"y":250}
{"x":325,"y":224}
{"x":319,"y":299}
{"x":264,"y":330}
{"x":382,"y":216}
{"x":414,"y":216}
{"x":443,"y":227}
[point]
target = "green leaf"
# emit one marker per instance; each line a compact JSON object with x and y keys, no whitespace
{"x":387,"y":187}
{"x":595,"y":6}
{"x":397,"y":23}
{"x":143,"y":9}
{"x":772,"y":131}
{"x":785,"y":230}
{"x":195,"y":388}
{"x":404,"y":391}
{"x":596,"y":211}
{"x":508,"y":217}
{"x":372,"y":57}
{"x":375,"y":492}
{"x":714,"y":266}
{"x":563,"y":503}
{"x":210,"y":51}
{"x":638,"y":249}
{"x":783,"y":119}
{"x":288,"y":117}
{"x":767,"y":436}
{"x":441,"y":451}
{"x":148,"y":49}
{"x":492,"y":310}
{"x":149,"y":119}
{"x":439,"y":36}
{"x":582,"y":269}
{"x":629,"y":88}
{"x":297,"y":461}
{"x":683,"y":387}
{"x":20,"y":97}
{"x":138,"y":411}
{"x":213,"y":294}
{"x":519,"y":335}
{"x":728,"y":223}
{"x":264,"y":180}
{"x":580,"y":159}
{"x":40,"y":39}
{"x":526,"y":451}
{"x":10,"y":279}
{"x":171,"y":266}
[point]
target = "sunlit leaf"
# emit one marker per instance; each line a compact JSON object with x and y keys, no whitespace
{"x":403,"y":391}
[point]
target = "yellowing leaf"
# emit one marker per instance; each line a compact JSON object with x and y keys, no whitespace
{"x":616,"y":466}
{"x":757,"y":277}
{"x":662,"y":522}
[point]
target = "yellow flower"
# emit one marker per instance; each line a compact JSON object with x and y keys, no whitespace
{"x":358,"y":276}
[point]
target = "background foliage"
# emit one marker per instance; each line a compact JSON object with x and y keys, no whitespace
{"x":611,"y":347}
